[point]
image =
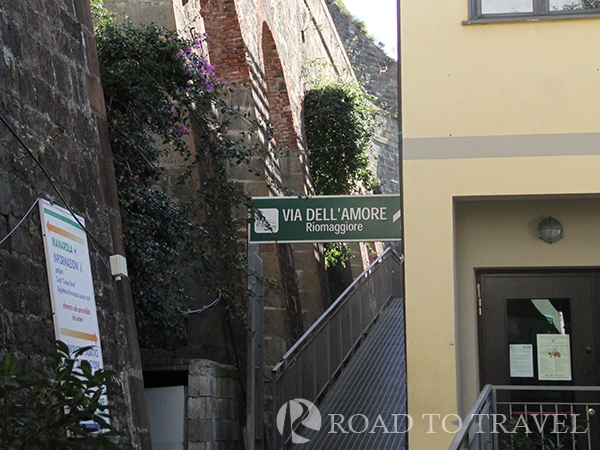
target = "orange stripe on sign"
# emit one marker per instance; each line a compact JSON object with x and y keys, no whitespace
{"x":79,"y":335}
{"x":63,"y":233}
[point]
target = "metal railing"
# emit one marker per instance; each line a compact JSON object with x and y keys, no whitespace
{"x":509,"y":417}
{"x":315,"y":360}
{"x":473,"y":434}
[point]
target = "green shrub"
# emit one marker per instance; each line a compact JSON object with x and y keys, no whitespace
{"x":61,"y":406}
{"x":340,"y":125}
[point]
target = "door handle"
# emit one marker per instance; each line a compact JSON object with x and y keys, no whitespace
{"x":588,"y":349}
{"x":591,"y":411}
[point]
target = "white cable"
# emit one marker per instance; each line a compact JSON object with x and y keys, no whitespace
{"x":204,"y":308}
{"x":20,"y":222}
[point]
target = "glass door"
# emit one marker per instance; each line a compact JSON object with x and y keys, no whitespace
{"x":537,"y":331}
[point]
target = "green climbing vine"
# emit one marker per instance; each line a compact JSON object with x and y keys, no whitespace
{"x":340,"y":125}
{"x":159,"y":88}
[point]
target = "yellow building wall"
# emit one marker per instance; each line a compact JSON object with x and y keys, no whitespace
{"x":496,"y":79}
{"x":499,"y":110}
{"x":440,"y":288}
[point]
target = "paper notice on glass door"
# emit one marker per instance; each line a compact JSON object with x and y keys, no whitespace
{"x":554,"y":357}
{"x":521,"y":360}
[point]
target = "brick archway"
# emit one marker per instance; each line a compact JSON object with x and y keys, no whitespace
{"x":280,"y":114}
{"x":225,"y":42}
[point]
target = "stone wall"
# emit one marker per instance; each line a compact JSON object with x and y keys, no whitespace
{"x":280,"y":39}
{"x":372,"y":66}
{"x":385,"y":159}
{"x":213,"y":406}
{"x":379,"y":74}
{"x":50,"y":95}
{"x":265,"y":45}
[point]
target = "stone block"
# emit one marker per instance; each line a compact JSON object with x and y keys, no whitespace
{"x":277,"y":322}
{"x":270,"y":262}
{"x":234,"y":384}
{"x":226,"y":388}
{"x":255,"y":188}
{"x":10,"y":299}
{"x":275,"y":348}
{"x":96,"y":96}
{"x":21,"y":240}
{"x":202,"y":430}
{"x":33,"y":301}
{"x":273,"y":295}
{"x":305,"y":255}
{"x":220,"y":408}
{"x":233,"y":409}
{"x":227,"y":430}
{"x":200,"y":408}
{"x":309,"y":280}
{"x":200,"y":385}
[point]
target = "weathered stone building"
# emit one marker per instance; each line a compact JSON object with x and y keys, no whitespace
{"x":50,"y":96}
{"x":263,"y":47}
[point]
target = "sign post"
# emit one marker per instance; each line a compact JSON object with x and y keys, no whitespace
{"x":345,"y":218}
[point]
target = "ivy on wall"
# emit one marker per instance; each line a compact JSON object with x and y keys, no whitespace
{"x":159,"y":88}
{"x":340,"y":125}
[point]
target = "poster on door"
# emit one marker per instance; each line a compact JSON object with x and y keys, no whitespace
{"x":521,"y":360}
{"x":554,"y":357}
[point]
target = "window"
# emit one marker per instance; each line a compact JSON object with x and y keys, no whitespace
{"x":484,"y":9}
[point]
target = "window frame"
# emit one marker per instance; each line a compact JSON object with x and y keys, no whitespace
{"x":541,"y":11}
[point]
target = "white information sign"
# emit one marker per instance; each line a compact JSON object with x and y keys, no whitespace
{"x":71,"y":285}
{"x":554,"y":357}
{"x":521,"y":360}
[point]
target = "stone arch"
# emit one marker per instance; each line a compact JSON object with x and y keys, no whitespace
{"x":293,"y":164}
{"x":225,"y":42}
{"x":280,"y":114}
{"x":298,"y":275}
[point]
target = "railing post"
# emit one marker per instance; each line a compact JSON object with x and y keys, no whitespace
{"x":254,"y":408}
{"x":274,"y":404}
{"x":495,"y":411}
{"x":315,"y":384}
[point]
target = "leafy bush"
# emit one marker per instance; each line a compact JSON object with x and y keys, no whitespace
{"x":340,"y":125}
{"x":158,"y":86}
{"x":47,"y":410}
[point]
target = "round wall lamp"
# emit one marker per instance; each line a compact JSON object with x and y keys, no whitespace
{"x":551,"y":230}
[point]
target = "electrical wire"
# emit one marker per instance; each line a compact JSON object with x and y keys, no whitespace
{"x":41,"y":166}
{"x":204,"y":308}
{"x":20,"y":221}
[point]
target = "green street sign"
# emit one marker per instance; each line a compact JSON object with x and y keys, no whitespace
{"x":326,"y":218}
